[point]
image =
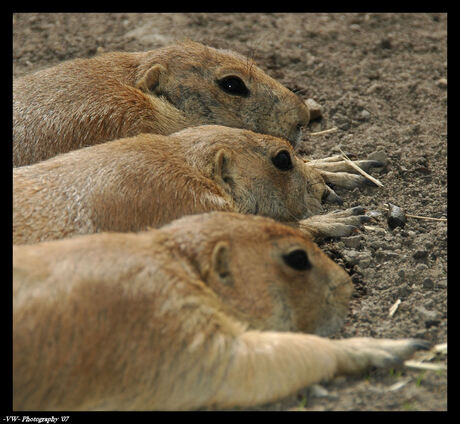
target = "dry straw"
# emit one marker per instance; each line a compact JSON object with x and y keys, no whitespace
{"x":428,"y":218}
{"x":365,"y":174}
{"x":371,"y":178}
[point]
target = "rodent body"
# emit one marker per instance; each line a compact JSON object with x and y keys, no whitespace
{"x":149,"y":180}
{"x":203,"y":312}
{"x":83,"y":102}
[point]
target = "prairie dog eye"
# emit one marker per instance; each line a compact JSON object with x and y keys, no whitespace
{"x":298,"y":260}
{"x":283,"y":160}
{"x":233,"y":85}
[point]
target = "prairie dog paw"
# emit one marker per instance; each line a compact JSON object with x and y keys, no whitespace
{"x":338,"y":172}
{"x":340,"y":223}
{"x":360,"y":353}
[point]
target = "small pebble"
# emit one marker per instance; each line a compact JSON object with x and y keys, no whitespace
{"x":385,"y":255}
{"x":429,"y":304}
{"x":314,"y":108}
{"x":385,"y":43}
{"x":425,"y":314}
{"x":420,"y":268}
{"x":379,"y":155}
{"x":442,"y":83}
{"x":316,"y":126}
{"x":442,"y":284}
{"x":356,"y":278}
{"x":379,"y":244}
{"x":354,"y":242}
{"x":427,"y":283}
{"x":372,"y":213}
{"x":354,"y":257}
{"x":420,"y":255}
{"x":378,"y":231}
{"x":318,"y":391}
{"x":395,"y":216}
{"x":404,"y":291}
{"x":375,"y":87}
{"x":365,"y":115}
{"x":429,"y":245}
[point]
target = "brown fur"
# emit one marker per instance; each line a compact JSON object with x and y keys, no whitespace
{"x":149,"y":180}
{"x":201,"y":313}
{"x":90,"y":101}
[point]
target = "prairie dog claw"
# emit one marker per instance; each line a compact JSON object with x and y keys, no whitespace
{"x":341,"y":223}
{"x":362,"y":353}
{"x":338,"y":172}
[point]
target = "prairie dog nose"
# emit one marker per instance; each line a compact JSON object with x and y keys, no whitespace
{"x":301,"y":119}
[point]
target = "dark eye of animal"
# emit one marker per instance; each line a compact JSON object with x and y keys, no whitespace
{"x":298,"y":260}
{"x":282,"y":160}
{"x":233,"y":85}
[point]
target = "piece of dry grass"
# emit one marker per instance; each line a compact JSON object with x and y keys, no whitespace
{"x":329,"y":130}
{"x":440,"y":348}
{"x":398,"y":385}
{"x":394,"y":308}
{"x":428,"y":218}
{"x":357,"y":168}
{"x":424,"y":365}
{"x":420,"y":362}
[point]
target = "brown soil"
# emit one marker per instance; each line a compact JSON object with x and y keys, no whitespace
{"x":382,"y":80}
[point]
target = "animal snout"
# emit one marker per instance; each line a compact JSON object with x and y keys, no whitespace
{"x":301,"y":121}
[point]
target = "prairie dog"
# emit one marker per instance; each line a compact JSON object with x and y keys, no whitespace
{"x":83,"y":102}
{"x":149,"y":180}
{"x":208,"y":311}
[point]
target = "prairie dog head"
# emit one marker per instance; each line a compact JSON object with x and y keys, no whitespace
{"x":212,"y":86}
{"x":261,"y":173}
{"x":267,"y":274}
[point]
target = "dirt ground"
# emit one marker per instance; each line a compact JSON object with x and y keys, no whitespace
{"x":382,"y":81}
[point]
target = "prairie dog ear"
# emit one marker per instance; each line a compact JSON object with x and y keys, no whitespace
{"x":150,"y":81}
{"x":220,"y":263}
{"x":222,"y":163}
